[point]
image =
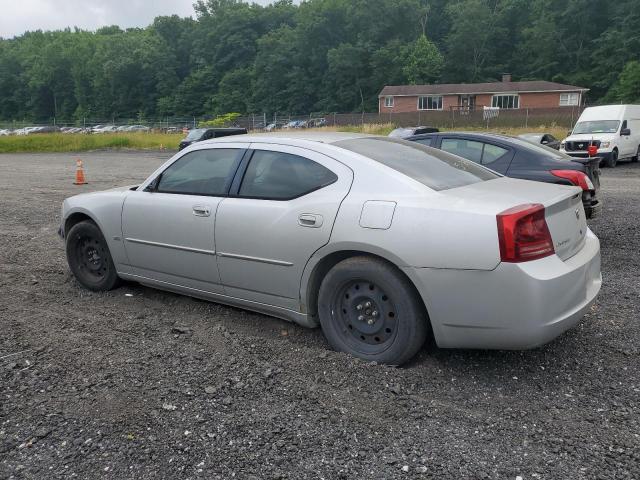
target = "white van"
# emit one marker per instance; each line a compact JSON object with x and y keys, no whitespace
{"x":614,"y":129}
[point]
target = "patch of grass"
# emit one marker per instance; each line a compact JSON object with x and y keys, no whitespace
{"x":372,"y":128}
{"x":58,"y":142}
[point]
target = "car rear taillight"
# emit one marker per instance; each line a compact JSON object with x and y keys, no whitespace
{"x":523,"y":234}
{"x":578,"y":178}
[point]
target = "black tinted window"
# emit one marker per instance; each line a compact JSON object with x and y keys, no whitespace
{"x":468,"y":149}
{"x":492,"y":153}
{"x":435,"y":169}
{"x":424,"y":141}
{"x":203,"y":172}
{"x":282,"y":176}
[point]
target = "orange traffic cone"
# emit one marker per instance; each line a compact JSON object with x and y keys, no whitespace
{"x":80,"y":180}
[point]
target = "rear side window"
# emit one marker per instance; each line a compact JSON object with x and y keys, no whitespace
{"x":468,"y":149}
{"x":202,"y":172}
{"x":436,"y":169}
{"x":283,"y":176}
{"x":492,"y":153}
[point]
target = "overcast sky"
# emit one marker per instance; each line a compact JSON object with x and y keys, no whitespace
{"x":18,"y":16}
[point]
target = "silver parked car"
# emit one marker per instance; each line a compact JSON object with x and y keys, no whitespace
{"x":380,"y":241}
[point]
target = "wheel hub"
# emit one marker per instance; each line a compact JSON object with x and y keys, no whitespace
{"x":90,"y":257}
{"x":367,"y":313}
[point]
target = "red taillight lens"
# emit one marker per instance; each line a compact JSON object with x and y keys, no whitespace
{"x":523,"y":234}
{"x":578,"y":178}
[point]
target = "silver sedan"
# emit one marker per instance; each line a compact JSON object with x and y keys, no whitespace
{"x":381,"y":242}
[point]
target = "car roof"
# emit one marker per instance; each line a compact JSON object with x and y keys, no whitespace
{"x":278,"y":137}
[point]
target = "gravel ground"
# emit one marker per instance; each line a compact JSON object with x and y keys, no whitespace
{"x":138,"y":383}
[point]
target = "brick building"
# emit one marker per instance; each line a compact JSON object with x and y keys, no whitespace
{"x":470,"y":96}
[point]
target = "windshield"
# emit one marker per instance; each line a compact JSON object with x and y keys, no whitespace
{"x":196,"y":134}
{"x":434,"y":168}
{"x":597,"y":126}
{"x":539,"y":148}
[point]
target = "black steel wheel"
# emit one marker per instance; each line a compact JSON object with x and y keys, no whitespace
{"x":89,"y":258}
{"x":613,"y":159}
{"x":369,"y":309}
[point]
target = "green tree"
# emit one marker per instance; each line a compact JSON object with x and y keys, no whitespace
{"x":424,"y":62}
{"x":627,"y":90}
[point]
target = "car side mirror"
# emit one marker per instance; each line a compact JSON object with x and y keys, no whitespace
{"x":625,"y":132}
{"x":569,"y":133}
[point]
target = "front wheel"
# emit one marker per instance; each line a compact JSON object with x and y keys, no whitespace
{"x":89,"y":258}
{"x":613,"y":159}
{"x":368,"y":309}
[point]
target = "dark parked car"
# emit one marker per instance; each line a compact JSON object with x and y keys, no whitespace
{"x":542,"y":138}
{"x":199,"y":134}
{"x":517,"y":158}
{"x":405,"y":132}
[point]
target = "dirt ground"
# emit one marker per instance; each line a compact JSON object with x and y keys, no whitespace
{"x":138,"y":383}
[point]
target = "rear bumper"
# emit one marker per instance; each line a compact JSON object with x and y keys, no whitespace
{"x":516,"y":306}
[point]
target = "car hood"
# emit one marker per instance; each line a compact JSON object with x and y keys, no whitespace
{"x":585,"y":137}
{"x":109,"y":191}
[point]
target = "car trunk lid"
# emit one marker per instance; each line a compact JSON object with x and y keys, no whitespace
{"x":564,"y":212}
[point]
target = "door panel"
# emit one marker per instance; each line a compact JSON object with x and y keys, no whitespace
{"x":168,"y":228}
{"x":170,"y":238}
{"x":263,"y":245}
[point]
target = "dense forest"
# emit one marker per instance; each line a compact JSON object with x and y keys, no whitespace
{"x":318,"y":56}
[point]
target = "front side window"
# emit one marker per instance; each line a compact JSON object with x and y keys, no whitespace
{"x":202,"y":172}
{"x":283,"y":176}
{"x":424,"y":141}
{"x":505,"y":101}
{"x":388,"y":101}
{"x":430,"y":103}
{"x":569,"y":99}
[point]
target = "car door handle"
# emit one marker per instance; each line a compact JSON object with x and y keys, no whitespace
{"x":201,"y":211}
{"x":310,"y":220}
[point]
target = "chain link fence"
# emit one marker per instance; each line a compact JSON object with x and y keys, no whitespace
{"x":443,"y":119}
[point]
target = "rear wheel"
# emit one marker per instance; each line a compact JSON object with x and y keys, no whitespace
{"x":368,"y":309}
{"x":637,"y":157}
{"x":89,"y":258}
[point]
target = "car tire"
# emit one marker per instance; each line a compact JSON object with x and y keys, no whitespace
{"x":369,"y":309}
{"x":612,"y":161}
{"x":89,"y":257}
{"x":637,"y":157}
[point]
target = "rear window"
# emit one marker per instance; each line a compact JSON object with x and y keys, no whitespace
{"x":538,"y":148}
{"x":196,"y":134}
{"x":436,"y":169}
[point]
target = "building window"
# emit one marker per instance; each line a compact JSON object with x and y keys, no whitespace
{"x":505,"y":101}
{"x":430,"y":103}
{"x":388,"y":102}
{"x":569,"y":99}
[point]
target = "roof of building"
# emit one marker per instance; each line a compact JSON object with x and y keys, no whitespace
{"x":475,"y":88}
